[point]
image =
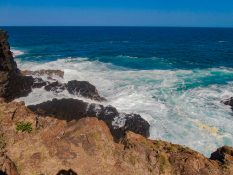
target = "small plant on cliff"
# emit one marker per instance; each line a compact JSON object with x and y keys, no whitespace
{"x":24,"y":127}
{"x":2,"y":142}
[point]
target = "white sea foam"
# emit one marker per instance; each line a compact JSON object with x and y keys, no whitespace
{"x":17,"y":52}
{"x":194,"y":117}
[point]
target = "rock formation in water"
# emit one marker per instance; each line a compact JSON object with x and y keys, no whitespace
{"x":74,"y":87}
{"x":73,"y":109}
{"x":228,"y":102}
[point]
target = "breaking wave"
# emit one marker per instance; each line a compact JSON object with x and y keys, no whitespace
{"x":182,"y":106}
{"x":17,"y":52}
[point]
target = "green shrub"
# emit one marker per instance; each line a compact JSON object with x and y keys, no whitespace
{"x":2,"y":142}
{"x":24,"y":127}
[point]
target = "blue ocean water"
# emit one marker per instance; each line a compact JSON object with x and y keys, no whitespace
{"x":174,"y":77}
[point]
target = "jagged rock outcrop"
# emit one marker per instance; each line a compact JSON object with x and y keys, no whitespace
{"x":83,"y":88}
{"x":87,"y":147}
{"x":73,"y":109}
{"x":12,"y":83}
{"x":79,"y":88}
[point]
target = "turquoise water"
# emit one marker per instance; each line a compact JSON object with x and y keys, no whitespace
{"x":174,"y":77}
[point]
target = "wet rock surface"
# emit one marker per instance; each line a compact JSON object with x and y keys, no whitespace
{"x":55,"y":87}
{"x":79,"y":88}
{"x":83,"y":88}
{"x":228,"y":102}
{"x":73,"y":109}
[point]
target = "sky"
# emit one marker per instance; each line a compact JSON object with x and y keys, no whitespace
{"x":186,"y":13}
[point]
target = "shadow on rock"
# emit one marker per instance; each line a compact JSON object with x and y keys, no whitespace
{"x":67,"y":172}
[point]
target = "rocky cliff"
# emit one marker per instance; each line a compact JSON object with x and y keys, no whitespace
{"x":12,"y":83}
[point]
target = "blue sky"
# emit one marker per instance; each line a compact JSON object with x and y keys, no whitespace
{"x":208,"y":13}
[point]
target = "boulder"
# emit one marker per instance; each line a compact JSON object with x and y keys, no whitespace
{"x":223,"y":154}
{"x":83,"y":88}
{"x":73,"y":109}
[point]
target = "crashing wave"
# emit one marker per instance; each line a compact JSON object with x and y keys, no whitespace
{"x":17,"y":52}
{"x":171,"y":100}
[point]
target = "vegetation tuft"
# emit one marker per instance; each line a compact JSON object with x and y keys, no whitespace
{"x":24,"y":127}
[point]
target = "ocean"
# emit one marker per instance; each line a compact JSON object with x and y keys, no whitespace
{"x":175,"y":78}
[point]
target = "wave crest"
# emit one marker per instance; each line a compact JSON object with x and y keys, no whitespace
{"x":17,"y":52}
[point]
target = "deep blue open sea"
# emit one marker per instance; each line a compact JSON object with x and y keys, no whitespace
{"x":174,"y":77}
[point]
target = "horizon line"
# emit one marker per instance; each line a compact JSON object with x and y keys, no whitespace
{"x":116,"y":26}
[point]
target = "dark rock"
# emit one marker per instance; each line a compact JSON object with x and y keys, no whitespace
{"x":228,"y":102}
{"x":137,"y":124}
{"x":64,"y":109}
{"x":79,"y":88}
{"x":223,"y":154}
{"x":16,"y":86}
{"x":12,"y":83}
{"x":38,"y":83}
{"x":83,"y":88}
{"x":119,"y":123}
{"x":55,"y":87}
{"x":73,"y":109}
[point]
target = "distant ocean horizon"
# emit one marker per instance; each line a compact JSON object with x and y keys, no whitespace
{"x":174,"y":77}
